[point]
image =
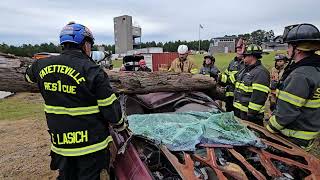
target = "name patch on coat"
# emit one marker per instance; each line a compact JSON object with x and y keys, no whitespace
{"x":70,"y":137}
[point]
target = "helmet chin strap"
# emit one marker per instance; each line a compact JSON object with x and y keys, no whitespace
{"x":84,"y":53}
{"x":293,"y":53}
{"x":83,"y":47}
{"x":291,"y":58}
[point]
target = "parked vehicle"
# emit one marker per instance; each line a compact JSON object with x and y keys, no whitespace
{"x":103,"y":58}
{"x":131,"y":62}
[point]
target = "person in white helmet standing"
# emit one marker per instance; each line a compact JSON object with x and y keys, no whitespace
{"x":183,"y":63}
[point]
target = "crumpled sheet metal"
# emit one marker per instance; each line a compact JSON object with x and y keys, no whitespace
{"x":186,"y":169}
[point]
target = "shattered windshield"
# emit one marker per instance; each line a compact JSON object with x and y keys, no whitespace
{"x":183,"y":131}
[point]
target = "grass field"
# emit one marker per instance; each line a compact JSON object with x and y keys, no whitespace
{"x":21,"y":106}
{"x":117,"y":63}
{"x":222,"y":60}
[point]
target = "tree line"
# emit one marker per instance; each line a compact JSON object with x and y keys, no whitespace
{"x":29,"y":50}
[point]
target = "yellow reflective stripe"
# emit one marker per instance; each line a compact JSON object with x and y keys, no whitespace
{"x":260,"y":87}
{"x":313,"y":103}
{"x":306,"y":135}
{"x":28,"y":79}
{"x":121,"y":121}
{"x":309,"y":147}
{"x":270,"y":129}
{"x":208,"y":75}
{"x":229,"y":94}
{"x":240,"y":106}
{"x":277,"y":92}
{"x":108,"y":101}
{"x":298,"y":101}
{"x":237,"y":105}
{"x":244,"y":87}
{"x":83,"y":150}
{"x":223,"y":78}
{"x":230,"y":72}
{"x":292,"y":99}
{"x":256,"y":107}
{"x":71,"y":111}
{"x":232,"y":78}
{"x":253,"y":47}
{"x":194,"y":71}
{"x":274,"y":123}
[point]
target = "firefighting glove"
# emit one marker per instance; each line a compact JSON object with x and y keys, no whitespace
{"x":122,"y":125}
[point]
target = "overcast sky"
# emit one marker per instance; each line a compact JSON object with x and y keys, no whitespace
{"x":39,"y":21}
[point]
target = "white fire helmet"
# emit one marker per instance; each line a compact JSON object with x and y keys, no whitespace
{"x":183,"y":49}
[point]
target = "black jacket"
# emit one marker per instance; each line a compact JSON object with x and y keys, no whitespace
{"x":297,"y":113}
{"x":210,"y":70}
{"x":79,"y":102}
{"x":145,"y":69}
{"x":228,"y":78}
{"x":251,"y":89}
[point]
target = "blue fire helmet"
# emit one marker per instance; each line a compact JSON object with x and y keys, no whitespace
{"x":75,"y":33}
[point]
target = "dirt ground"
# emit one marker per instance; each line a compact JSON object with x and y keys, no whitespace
{"x":24,"y":150}
{"x":25,"y":147}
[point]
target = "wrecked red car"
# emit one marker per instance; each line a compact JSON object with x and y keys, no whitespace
{"x":138,"y":157}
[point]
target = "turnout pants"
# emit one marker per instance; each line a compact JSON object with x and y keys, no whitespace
{"x":256,"y":118}
{"x":86,"y":167}
{"x":229,"y":103}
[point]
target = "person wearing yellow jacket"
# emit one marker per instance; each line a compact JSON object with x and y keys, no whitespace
{"x":183,"y":63}
{"x":276,"y":74}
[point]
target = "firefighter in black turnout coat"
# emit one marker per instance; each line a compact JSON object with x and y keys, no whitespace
{"x":251,"y":87}
{"x":79,"y":106}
